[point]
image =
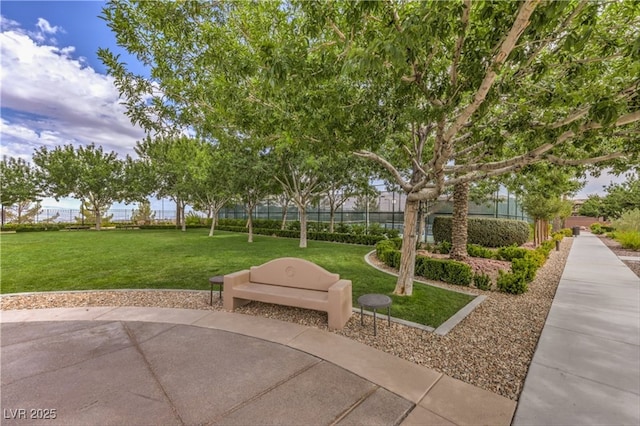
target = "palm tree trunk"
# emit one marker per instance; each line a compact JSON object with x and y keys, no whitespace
{"x":459,"y":222}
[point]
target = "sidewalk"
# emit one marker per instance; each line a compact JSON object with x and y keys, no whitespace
{"x":586,"y":368}
{"x":103,"y":365}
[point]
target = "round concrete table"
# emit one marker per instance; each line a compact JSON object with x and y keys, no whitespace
{"x":374,"y":301}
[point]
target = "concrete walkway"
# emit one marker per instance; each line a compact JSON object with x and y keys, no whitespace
{"x":586,"y":368}
{"x":114,"y":366}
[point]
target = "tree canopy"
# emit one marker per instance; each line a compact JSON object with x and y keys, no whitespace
{"x":437,"y":93}
{"x":87,"y":173}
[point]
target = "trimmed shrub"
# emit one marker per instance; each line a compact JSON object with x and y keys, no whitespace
{"x":384,"y":249}
{"x":448,"y":271}
{"x":392,"y":233}
{"x":445,"y":270}
{"x":444,"y":247}
{"x":475,"y":250}
{"x":511,"y":252}
{"x":368,"y":240}
{"x":482,"y":281}
{"x":596,"y":228}
{"x":34,"y":227}
{"x":487,"y":232}
{"x":511,"y":283}
{"x":525,"y":267}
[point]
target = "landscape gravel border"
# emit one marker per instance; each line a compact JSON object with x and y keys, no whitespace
{"x":491,"y":348}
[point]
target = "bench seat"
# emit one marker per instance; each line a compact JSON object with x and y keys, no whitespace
{"x":291,"y":282}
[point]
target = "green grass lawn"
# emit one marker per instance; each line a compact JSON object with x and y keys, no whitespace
{"x":168,"y":259}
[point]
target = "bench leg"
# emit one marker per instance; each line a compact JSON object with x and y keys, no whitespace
{"x":232,"y":303}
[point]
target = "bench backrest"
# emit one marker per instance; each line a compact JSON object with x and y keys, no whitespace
{"x":293,"y":272}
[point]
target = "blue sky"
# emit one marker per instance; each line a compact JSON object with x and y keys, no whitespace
{"x":54,"y":90}
{"x":54,"y":87}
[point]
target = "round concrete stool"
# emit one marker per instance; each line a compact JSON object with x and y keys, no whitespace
{"x":374,"y":301}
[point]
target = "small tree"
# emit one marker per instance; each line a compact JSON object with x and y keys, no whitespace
{"x":18,"y":184}
{"x":23,"y":212}
{"x":86,"y":173}
{"x":593,"y":207}
{"x":144,"y":215}
{"x":88,"y":215}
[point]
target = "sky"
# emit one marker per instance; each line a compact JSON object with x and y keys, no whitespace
{"x":54,"y":89}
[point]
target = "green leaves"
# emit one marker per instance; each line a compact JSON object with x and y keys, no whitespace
{"x":18,"y":181}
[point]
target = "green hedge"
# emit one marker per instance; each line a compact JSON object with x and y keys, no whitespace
{"x":445,"y":270}
{"x":34,"y":227}
{"x":368,"y":240}
{"x":487,"y":232}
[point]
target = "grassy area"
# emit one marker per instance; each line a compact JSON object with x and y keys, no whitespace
{"x":86,"y":260}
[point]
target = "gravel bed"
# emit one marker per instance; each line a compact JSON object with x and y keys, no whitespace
{"x":491,"y":348}
{"x":617,"y":249}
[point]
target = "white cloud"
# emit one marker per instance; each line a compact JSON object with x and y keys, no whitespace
{"x":54,"y":99}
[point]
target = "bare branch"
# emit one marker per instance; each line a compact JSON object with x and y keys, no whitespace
{"x":388,"y":166}
{"x":468,"y":149}
{"x":593,"y":160}
{"x":628,"y":118}
{"x":337,"y":31}
{"x":496,"y":165}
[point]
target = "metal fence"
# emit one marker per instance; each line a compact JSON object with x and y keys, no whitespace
{"x":504,"y":207}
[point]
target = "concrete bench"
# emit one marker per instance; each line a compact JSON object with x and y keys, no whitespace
{"x":292,"y":282}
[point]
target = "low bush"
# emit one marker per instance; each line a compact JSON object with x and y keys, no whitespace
{"x":629,"y":221}
{"x":482,"y":281}
{"x":630,"y":240}
{"x":525,"y":267}
{"x":475,"y":250}
{"x":511,"y":252}
{"x":368,"y":240}
{"x":444,"y":270}
{"x":384,"y":249}
{"x":596,"y":228}
{"x":511,"y":283}
{"x":37,"y":227}
{"x":567,"y":232}
{"x":444,"y":247}
{"x":487,"y":232}
{"x":392,"y":233}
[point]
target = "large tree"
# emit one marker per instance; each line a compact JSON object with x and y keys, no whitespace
{"x":177,"y":166}
{"x":500,"y":86}
{"x":18,"y":183}
{"x":438,"y":93}
{"x":86,"y":173}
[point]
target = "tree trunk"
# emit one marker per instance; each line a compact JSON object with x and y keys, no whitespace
{"x":250,"y":223}
{"x":285,"y":209}
{"x":178,"y":219}
{"x":420,"y":222}
{"x":214,"y":219}
{"x":540,"y":231}
{"x":98,"y":216}
{"x":303,"y":226}
{"x":182,"y":218}
{"x":332,"y":220}
{"x":404,"y":285}
{"x":459,"y":222}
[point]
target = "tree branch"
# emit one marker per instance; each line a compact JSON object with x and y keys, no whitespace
{"x":593,"y":160}
{"x":388,"y":166}
{"x":464,"y":20}
{"x":519,"y":25}
{"x":337,"y":31}
{"x":396,"y":18}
